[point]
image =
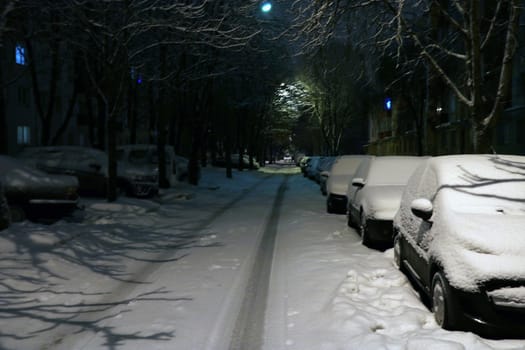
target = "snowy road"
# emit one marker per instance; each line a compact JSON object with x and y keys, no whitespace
{"x":254,"y":263}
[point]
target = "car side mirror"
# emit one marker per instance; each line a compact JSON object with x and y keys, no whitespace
{"x":325,"y":173}
{"x":422,"y":208}
{"x":358,"y":182}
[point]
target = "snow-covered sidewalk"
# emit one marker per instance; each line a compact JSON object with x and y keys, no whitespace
{"x":330,"y":292}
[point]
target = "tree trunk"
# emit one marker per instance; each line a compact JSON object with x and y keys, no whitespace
{"x":193,"y":166}
{"x":4,"y":144}
{"x":162,"y":124}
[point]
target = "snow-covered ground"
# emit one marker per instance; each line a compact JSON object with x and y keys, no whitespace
{"x":171,"y":273}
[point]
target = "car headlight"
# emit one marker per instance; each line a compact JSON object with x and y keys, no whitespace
{"x":508,"y":297}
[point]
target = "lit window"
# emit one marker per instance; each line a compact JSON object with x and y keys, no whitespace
{"x":20,"y":54}
{"x":23,"y":135}
{"x":136,"y":76}
{"x":388,"y":104}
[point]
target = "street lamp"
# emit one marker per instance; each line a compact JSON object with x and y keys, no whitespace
{"x":266,"y":6}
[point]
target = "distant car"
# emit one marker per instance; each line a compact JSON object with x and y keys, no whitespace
{"x":341,"y":172}
{"x":35,"y":195}
{"x":90,"y":166}
{"x":146,"y":155}
{"x":459,"y":235}
{"x":375,"y":193}
{"x":245,"y":161}
{"x":303,"y":163}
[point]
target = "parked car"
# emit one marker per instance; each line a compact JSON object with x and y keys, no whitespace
{"x":325,"y":163}
{"x":33,"y":194}
{"x":323,"y":172}
{"x":311,"y":167}
{"x":375,"y":193}
{"x":303,"y":164}
{"x":342,"y":170}
{"x":90,"y":166}
{"x":146,"y":155}
{"x":459,"y":235}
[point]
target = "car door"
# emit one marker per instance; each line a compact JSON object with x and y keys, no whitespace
{"x":418,"y":257}
{"x":88,"y":169}
{"x":355,"y":190}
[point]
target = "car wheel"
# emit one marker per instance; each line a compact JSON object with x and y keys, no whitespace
{"x":329,"y":207}
{"x":17,"y":213}
{"x":397,"y":252}
{"x":365,"y":239}
{"x":443,"y":304}
{"x":349,"y":220}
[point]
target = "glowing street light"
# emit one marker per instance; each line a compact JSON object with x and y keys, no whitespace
{"x":266,"y":6}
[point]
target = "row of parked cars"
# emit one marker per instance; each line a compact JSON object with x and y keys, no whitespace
{"x":457,"y":226}
{"x":45,"y":182}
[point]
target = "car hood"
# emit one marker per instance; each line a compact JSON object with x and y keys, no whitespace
{"x":381,"y":202}
{"x":475,"y":248}
{"x":337,"y":184}
{"x":28,"y":180}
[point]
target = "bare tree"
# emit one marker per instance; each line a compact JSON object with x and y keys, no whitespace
{"x":480,"y":37}
{"x":6,"y":8}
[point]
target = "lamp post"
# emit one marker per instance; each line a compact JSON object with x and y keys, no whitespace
{"x":266,"y":6}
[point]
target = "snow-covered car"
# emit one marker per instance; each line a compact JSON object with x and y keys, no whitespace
{"x":459,"y":235}
{"x":146,"y":155}
{"x":90,"y":166}
{"x":375,"y":193}
{"x":311,"y":166}
{"x":342,"y":170}
{"x":33,"y":194}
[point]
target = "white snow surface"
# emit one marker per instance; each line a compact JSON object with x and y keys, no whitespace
{"x":170,"y":274}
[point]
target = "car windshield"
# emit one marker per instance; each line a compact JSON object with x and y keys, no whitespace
{"x":345,"y":166}
{"x":155,"y":157}
{"x":482,"y":185}
{"x":391,"y":171}
{"x":506,"y":197}
{"x":120,"y":154}
{"x":139,"y":156}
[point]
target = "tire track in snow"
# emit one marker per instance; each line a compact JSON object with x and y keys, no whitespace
{"x":124,"y":292}
{"x":249,"y":328}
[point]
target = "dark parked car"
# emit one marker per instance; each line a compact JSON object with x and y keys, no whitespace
{"x":375,"y":193}
{"x":90,"y":166}
{"x":35,"y":195}
{"x":145,"y":155}
{"x":459,"y":236}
